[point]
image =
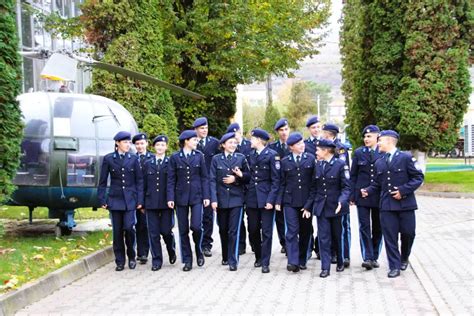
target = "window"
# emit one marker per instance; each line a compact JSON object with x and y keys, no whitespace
{"x":81,"y":165}
{"x":34,"y":162}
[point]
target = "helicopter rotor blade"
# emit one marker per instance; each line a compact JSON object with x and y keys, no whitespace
{"x":140,"y":76}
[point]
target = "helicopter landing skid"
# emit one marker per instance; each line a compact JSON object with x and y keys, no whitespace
{"x":66,"y":221}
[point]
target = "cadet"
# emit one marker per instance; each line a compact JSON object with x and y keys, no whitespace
{"x":143,"y":246}
{"x":296,"y":176}
{"x":124,"y":198}
{"x":330,"y":132}
{"x":243,"y":147}
{"x":329,"y":198}
{"x":229,"y":173}
{"x":398,"y":176}
{"x":160,"y":218}
{"x":260,"y":197}
{"x":362,"y":176}
{"x":188,"y":189}
{"x":280,"y":146}
{"x":314,"y":127}
{"x":209,"y":146}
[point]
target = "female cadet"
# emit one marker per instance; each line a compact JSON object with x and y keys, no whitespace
{"x":260,"y":198}
{"x":188,"y":189}
{"x":330,"y":192}
{"x":124,"y":198}
{"x":159,"y":217}
{"x":296,"y":176}
{"x":229,"y":172}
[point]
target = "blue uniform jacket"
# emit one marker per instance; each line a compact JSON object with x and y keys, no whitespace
{"x":244,"y":147}
{"x":155,"y":183}
{"x":188,"y":182}
{"x":342,"y":151}
{"x":265,"y":178}
{"x":295,"y":181}
{"x":228,"y":195}
{"x":310,"y":146}
{"x":211,"y":148}
{"x":330,"y":187}
{"x":278,"y":147}
{"x":400,"y":174}
{"x":148,"y":155}
{"x":363,"y":175}
{"x":126,"y":182}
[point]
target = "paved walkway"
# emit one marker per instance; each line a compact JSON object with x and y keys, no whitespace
{"x":440,"y":280}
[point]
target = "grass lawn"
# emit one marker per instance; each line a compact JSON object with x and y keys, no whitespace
{"x":21,"y":212}
{"x":442,"y":161}
{"x":23,"y":259}
{"x":454,"y":181}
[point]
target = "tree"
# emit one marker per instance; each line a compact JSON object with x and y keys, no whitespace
{"x":405,"y":68}
{"x":272,"y":115}
{"x":253,"y":116}
{"x":10,"y":113}
{"x":129,"y":34}
{"x":212,"y":46}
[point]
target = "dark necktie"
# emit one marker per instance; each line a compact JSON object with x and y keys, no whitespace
{"x":298,"y":159}
{"x":371,"y":154}
{"x":159,"y":161}
{"x":122,"y":156}
{"x":283,"y":145}
{"x":142,"y":156}
{"x":229,"y":157}
{"x":388,"y":157}
{"x":324,"y":164}
{"x":201,"y":143}
{"x":188,"y":156}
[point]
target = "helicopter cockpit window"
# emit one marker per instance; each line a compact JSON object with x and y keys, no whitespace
{"x":34,"y":162}
{"x":73,"y":117}
{"x":81,"y":165}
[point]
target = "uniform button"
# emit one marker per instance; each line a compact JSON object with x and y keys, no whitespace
{"x":371,"y":170}
{"x":123,"y":175}
{"x":325,"y":196}
{"x":299,"y":180}
{"x":157,"y":184}
{"x":299,"y":187}
{"x":187,"y":167}
{"x":297,"y":168}
{"x":123,"y":181}
{"x":371,"y":164}
{"x":256,"y":177}
{"x":324,"y":178}
{"x":325,"y":190}
{"x":228,"y":189}
{"x":299,"y":174}
{"x":123,"y":187}
{"x":371,"y":180}
{"x":157,"y":190}
{"x":389,"y":184}
{"x":256,"y":183}
{"x":389,"y":191}
{"x":256,"y":171}
{"x":256,"y":167}
{"x":324,"y":183}
{"x":188,"y":182}
{"x":123,"y":169}
{"x":228,"y":169}
{"x":372,"y":175}
{"x":388,"y":172}
{"x":388,"y":178}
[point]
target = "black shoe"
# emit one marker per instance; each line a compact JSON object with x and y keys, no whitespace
{"x":242,"y":252}
{"x":393,"y":273}
{"x":283,"y":249}
{"x":347,"y":262}
{"x":404,"y":265}
{"x":187,"y":267}
{"x":324,"y":274}
{"x":340,"y":268}
{"x":207,"y":252}
{"x":367,"y":264}
{"x":232,"y":268}
{"x":333,"y":259}
{"x":155,"y":268}
{"x":292,"y":268}
{"x":172,"y":257}
{"x":132,"y":264}
{"x":142,"y":259}
{"x":303,"y":267}
{"x":375,"y":264}
{"x":119,"y":268}
{"x":258,"y":263}
{"x":225,"y":262}
{"x":265,"y":269}
{"x":200,"y":261}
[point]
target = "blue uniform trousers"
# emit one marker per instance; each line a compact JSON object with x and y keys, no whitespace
{"x":370,"y":233}
{"x":394,"y":223}
{"x":196,"y":227}
{"x":298,"y":235}
{"x":143,"y":245}
{"x":123,"y":225}
{"x":261,"y":223}
{"x":160,"y":222}
{"x":229,"y":221}
{"x":346,"y":224}
{"x":208,"y":227}
{"x":330,"y":230}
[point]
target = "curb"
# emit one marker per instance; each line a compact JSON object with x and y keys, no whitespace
{"x":435,"y":296}
{"x":32,"y":292}
{"x":449,"y":195}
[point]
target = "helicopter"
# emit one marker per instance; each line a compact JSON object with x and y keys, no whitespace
{"x":66,"y":135}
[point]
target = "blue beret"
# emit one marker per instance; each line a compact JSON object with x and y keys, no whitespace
{"x":389,"y":133}
{"x":139,"y":136}
{"x":200,"y":122}
{"x":227,"y":136}
{"x":122,"y":136}
{"x":260,"y":133}
{"x":370,"y":129}
{"x":160,"y":138}
{"x":280,"y":123}
{"x":294,"y":138}
{"x":187,"y":134}
{"x":312,"y":120}
{"x":325,"y":143}
{"x":234,"y":127}
{"x":331,"y":127}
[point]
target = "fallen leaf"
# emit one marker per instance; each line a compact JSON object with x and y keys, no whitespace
{"x":38,"y":257}
{"x":57,"y":261}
